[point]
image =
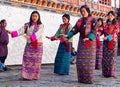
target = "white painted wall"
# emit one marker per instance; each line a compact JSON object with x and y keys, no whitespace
{"x":16,"y":17}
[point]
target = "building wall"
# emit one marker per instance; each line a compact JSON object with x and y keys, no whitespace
{"x":16,"y":17}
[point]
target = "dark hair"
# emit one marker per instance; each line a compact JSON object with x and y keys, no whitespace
{"x":67,"y":16}
{"x":114,"y":20}
{"x":87,"y":9}
{"x":39,"y":20}
{"x":2,"y":21}
{"x":111,"y":12}
{"x":100,"y":19}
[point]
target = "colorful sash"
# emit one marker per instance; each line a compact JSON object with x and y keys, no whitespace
{"x":67,"y":43}
{"x":88,"y":25}
{"x":36,"y":27}
{"x":111,"y":42}
{"x":88,"y":44}
{"x":88,"y":28}
{"x":111,"y":45}
{"x":111,"y":29}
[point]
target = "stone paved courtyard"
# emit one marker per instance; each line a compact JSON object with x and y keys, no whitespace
{"x":49,"y":79}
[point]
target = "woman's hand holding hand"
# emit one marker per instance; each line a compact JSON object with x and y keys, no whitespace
{"x":63,"y":35}
{"x":105,"y":38}
{"x":48,"y":37}
{"x":27,"y":36}
{"x":9,"y":32}
{"x":85,"y":39}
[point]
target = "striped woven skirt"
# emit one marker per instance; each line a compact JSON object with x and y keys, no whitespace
{"x":109,"y":60}
{"x":62,"y":60}
{"x":31,"y":64}
{"x":99,"y":56}
{"x":85,"y":62}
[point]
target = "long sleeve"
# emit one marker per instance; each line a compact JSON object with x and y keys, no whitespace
{"x":111,"y":32}
{"x":62,"y":30}
{"x":74,"y":30}
{"x":69,"y":29}
{"x":19,"y":32}
{"x":115,"y":31}
{"x":4,"y":39}
{"x":1,"y":41}
{"x":57,"y":34}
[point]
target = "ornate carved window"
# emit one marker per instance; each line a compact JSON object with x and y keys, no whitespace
{"x":105,"y":2}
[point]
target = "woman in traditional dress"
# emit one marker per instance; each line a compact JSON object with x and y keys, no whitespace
{"x":62,"y":59}
{"x":110,"y":44}
{"x":86,"y":51}
{"x":32,"y":57}
{"x":99,"y":43}
{"x":4,"y":40}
